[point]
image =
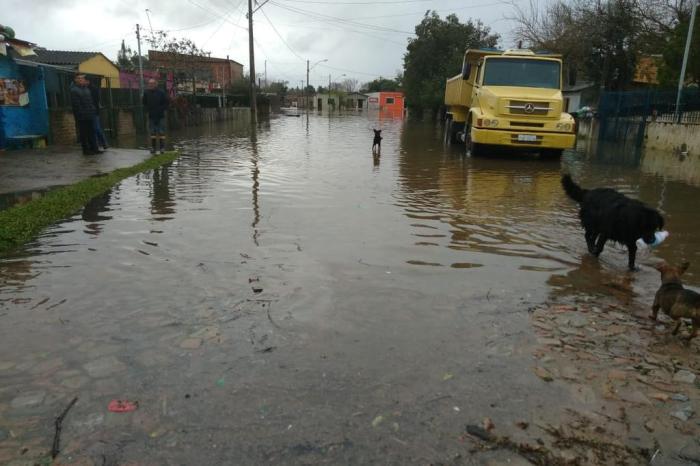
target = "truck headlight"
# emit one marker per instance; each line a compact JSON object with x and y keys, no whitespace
{"x":564,"y":126}
{"x":490,"y":123}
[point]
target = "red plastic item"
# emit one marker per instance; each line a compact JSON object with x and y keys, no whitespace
{"x":122,"y":406}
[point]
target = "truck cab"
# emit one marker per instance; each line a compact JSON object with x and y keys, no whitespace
{"x":508,"y":98}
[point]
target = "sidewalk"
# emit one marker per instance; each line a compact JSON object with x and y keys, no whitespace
{"x":27,"y":171}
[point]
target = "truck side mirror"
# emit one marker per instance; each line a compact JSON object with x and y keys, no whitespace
{"x":466,"y":71}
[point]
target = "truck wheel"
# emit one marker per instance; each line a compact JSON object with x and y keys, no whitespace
{"x":447,"y":136}
{"x":473,"y":149}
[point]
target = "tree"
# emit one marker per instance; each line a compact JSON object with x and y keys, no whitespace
{"x":179,"y":56}
{"x":280,"y":88}
{"x":350,"y":85}
{"x":124,"y":57}
{"x":604,"y":39}
{"x":382,"y":84}
{"x":672,"y":53}
{"x":436,"y":53}
{"x":128,"y":60}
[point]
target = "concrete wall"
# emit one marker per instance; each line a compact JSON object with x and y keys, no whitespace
{"x":672,"y":137}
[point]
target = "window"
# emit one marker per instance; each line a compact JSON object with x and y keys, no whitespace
{"x":389,"y":100}
{"x":522,"y":72}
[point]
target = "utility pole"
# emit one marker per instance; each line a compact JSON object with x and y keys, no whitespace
{"x":138,"y":41}
{"x":253,"y":102}
{"x":681,"y":79}
{"x":306,"y":102}
{"x":265,"y":74}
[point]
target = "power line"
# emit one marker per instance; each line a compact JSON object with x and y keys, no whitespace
{"x":349,"y":71}
{"x":422,"y":12}
{"x":215,"y":13}
{"x":337,"y":27}
{"x":357,"y":3}
{"x":327,"y":18}
{"x":280,"y":36}
{"x":217,"y":29}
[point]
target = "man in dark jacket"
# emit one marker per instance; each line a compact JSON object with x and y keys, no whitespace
{"x":99,"y":132}
{"x":156,"y":103}
{"x":84,"y":112}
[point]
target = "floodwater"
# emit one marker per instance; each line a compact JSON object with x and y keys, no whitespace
{"x":287,"y":297}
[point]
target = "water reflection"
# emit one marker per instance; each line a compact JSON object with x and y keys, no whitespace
{"x":162,"y":202}
{"x":92,"y":213}
{"x":498,"y":206}
{"x":255,"y":185}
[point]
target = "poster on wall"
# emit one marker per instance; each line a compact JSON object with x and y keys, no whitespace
{"x":13,"y":92}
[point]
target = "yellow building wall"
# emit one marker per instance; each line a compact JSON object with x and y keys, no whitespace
{"x":99,"y":64}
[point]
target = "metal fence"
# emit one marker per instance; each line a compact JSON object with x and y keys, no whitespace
{"x":624,"y":115}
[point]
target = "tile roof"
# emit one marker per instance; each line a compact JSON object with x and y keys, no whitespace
{"x":61,"y":57}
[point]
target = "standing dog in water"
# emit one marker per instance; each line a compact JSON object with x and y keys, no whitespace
{"x":377,"y":143}
{"x":609,"y":215}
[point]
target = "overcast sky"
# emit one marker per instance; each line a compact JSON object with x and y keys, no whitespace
{"x":362,"y":39}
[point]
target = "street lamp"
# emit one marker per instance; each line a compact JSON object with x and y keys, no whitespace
{"x":307,"y":75}
{"x":681,"y":79}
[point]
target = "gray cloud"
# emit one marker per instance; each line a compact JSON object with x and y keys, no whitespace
{"x":359,"y":45}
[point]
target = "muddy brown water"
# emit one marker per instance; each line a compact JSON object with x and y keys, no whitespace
{"x":286,"y":297}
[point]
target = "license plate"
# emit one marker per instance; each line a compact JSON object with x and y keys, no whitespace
{"x":527,"y":137}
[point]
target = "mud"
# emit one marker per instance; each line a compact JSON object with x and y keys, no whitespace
{"x":286,"y":297}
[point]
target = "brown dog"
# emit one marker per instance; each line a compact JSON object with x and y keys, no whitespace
{"x":674,"y":300}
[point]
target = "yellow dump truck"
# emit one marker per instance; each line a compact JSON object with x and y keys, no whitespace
{"x":508,"y":98}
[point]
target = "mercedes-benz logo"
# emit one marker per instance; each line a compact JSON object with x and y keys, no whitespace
{"x":529,"y":108}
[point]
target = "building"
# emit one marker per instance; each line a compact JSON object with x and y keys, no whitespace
{"x":132,"y":80}
{"x":24,"y":113}
{"x":93,"y":63}
{"x":355,"y":101}
{"x":210,"y":74}
{"x":386,"y":101}
{"x":579,"y":95}
{"x":646,"y":71}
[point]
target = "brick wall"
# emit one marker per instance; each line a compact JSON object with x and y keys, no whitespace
{"x":62,"y":127}
{"x":125,"y":122}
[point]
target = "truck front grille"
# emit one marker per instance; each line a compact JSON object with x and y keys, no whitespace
{"x":522,"y":107}
{"x":527,"y":124}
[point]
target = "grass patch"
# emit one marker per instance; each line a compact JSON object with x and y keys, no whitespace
{"x":21,"y":223}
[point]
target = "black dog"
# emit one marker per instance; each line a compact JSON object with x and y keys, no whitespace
{"x":377,"y":143}
{"x":609,"y":215}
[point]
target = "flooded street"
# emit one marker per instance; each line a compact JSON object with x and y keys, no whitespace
{"x":285,"y":297}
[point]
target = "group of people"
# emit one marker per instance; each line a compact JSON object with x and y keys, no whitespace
{"x":85,"y":100}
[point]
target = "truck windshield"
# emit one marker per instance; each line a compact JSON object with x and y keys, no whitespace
{"x":522,"y":73}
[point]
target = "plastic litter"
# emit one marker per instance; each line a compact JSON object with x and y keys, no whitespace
{"x":659,"y":238}
{"x":122,"y":406}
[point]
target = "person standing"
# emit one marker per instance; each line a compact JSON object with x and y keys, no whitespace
{"x":155,"y":101}
{"x":99,"y":132}
{"x":84,"y":112}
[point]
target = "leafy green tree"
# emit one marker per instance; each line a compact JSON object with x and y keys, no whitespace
{"x":279,"y":87}
{"x":179,"y":56}
{"x":436,"y":53}
{"x":128,"y":60}
{"x":382,"y":84}
{"x":603,"y":40}
{"x":672,"y":53}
